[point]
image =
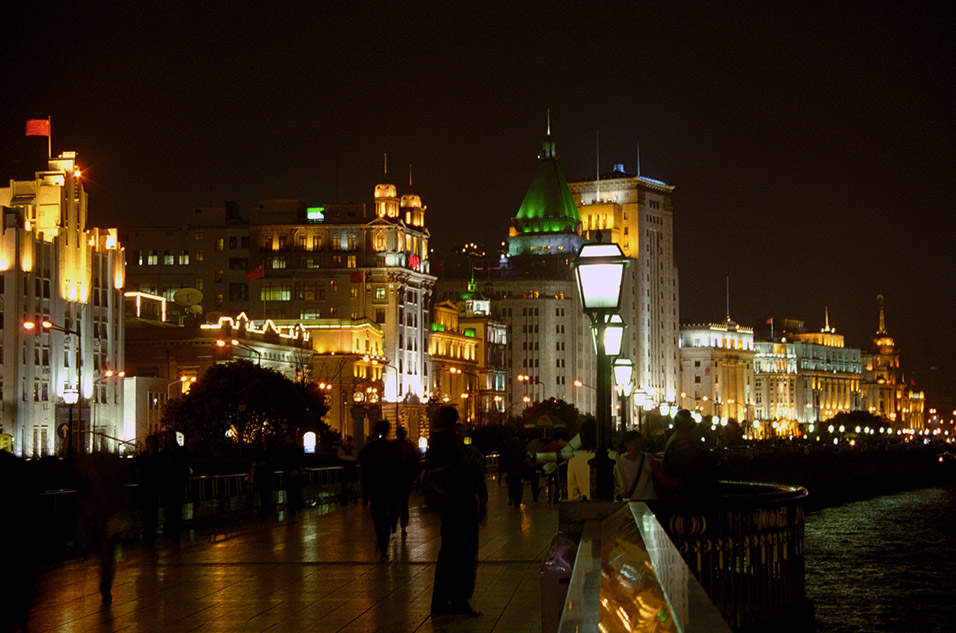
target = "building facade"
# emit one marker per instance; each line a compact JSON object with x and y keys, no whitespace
{"x":886,"y":392}
{"x":805,"y":377}
{"x":54,"y":269}
{"x":636,"y":213}
{"x":292,"y":261}
{"x":717,"y":374}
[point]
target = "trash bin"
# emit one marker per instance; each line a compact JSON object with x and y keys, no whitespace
{"x":554,"y":577}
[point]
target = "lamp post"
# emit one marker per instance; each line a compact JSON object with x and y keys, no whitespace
{"x":599,"y":269}
{"x":236,"y":343}
{"x":623,"y":371}
{"x":67,"y":396}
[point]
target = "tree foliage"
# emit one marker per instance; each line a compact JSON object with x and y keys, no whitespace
{"x":233,"y":403}
{"x":558,"y":410}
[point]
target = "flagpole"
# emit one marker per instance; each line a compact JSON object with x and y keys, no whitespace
{"x":49,"y":137}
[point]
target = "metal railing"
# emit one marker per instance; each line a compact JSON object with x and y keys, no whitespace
{"x":745,"y":545}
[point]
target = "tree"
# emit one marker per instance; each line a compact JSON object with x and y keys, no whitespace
{"x":231,"y":404}
{"x":559,"y":412}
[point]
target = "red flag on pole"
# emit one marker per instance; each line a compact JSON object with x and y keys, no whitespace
{"x":256,"y":273}
{"x":38,"y":127}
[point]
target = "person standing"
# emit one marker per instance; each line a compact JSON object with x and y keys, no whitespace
{"x":176,"y":472}
{"x":634,"y":470}
{"x":290,"y":460}
{"x":149,"y":476}
{"x":459,"y":492}
{"x":513,"y":464}
{"x":381,"y":463}
{"x":532,"y":469}
{"x":411,"y":464}
{"x":348,"y":458}
{"x":579,"y":471}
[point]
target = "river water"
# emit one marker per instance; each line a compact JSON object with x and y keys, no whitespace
{"x":884,"y":564}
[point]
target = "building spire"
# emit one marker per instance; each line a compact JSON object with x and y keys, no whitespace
{"x":638,"y":160}
{"x":549,"y":123}
{"x":882,"y":329}
{"x":409,"y":176}
{"x":826,"y":313}
{"x":386,"y":164}
{"x":727,"y":281}
{"x":597,"y":163}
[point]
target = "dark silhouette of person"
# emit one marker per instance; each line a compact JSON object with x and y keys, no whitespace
{"x":291,"y":461}
{"x":513,"y":465}
{"x":176,"y":471}
{"x":461,"y":505}
{"x":534,"y":446}
{"x":149,"y":477}
{"x":687,"y":460}
{"x":381,"y":463}
{"x":103,"y":496}
{"x":411,"y":465}
{"x":22,"y":532}
{"x":348,"y":458}
{"x":264,"y":462}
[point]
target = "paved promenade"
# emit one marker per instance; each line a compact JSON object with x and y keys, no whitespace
{"x":319,"y":572}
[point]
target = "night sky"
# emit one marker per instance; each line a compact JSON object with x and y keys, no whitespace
{"x":812,"y":144}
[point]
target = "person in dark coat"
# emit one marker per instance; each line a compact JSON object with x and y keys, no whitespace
{"x":290,"y":460}
{"x":513,"y":464}
{"x":381,"y":464}
{"x":686,"y":460}
{"x":149,"y":477}
{"x":411,"y":465}
{"x":176,"y":471}
{"x":264,"y":462}
{"x":461,"y":497}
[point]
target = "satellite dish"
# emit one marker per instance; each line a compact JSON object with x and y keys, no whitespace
{"x":195,"y":310}
{"x":187,"y":297}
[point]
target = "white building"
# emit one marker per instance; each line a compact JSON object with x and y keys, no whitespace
{"x":717,"y":369}
{"x":54,"y":269}
{"x":637,"y":213}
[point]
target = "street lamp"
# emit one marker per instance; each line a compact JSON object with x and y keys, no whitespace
{"x":623,"y":371}
{"x":236,"y":343}
{"x":599,"y":269}
{"x":67,"y":396}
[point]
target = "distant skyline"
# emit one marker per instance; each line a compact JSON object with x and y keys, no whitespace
{"x":812,"y":145}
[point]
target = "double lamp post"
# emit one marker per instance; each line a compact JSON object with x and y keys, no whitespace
{"x":599,"y":269}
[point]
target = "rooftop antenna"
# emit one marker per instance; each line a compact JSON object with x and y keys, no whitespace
{"x":597,"y":162}
{"x":409,"y":176}
{"x":638,"y":160}
{"x":826,"y":312}
{"x":727,"y":282}
{"x":386,"y":163}
{"x":882,"y":329}
{"x":549,"y":122}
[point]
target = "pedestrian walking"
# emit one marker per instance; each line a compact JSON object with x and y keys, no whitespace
{"x":381,"y":464}
{"x":411,"y":465}
{"x":291,"y":463}
{"x":456,"y":487}
{"x":176,"y":471}
{"x":149,"y":479}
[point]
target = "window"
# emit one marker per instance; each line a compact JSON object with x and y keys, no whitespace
{"x":333,"y":286}
{"x":219,"y":275}
{"x":351,"y":242}
{"x":198,"y":283}
{"x":199,"y":256}
{"x":354,"y":292}
{"x":219,"y":300}
{"x":152,"y":258}
{"x":380,"y":292}
{"x":199,"y":235}
{"x":380,"y":315}
{"x":351,"y":263}
{"x":220,"y":244}
{"x":238,"y":292}
{"x":317,"y":242}
{"x":238,"y":263}
{"x":184,"y":258}
{"x":233,"y":241}
{"x":276,"y":291}
{"x":278,"y":262}
{"x":310,"y":290}
{"x":380,"y":241}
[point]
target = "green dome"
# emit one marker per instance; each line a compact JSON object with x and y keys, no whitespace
{"x":548,"y":206}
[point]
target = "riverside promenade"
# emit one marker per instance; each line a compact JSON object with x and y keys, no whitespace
{"x":317,"y":572}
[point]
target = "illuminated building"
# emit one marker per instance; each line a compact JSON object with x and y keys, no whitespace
{"x":636,"y":213}
{"x":805,"y":377}
{"x":454,"y":361}
{"x":717,"y":369}
{"x":54,"y":269}
{"x":534,"y":295}
{"x":290,"y":261}
{"x":476,"y":316}
{"x":885,"y":390}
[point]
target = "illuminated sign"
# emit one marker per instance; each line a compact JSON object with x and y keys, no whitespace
{"x":315,"y":214}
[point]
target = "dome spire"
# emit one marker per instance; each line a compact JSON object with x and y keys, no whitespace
{"x":882,"y":329}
